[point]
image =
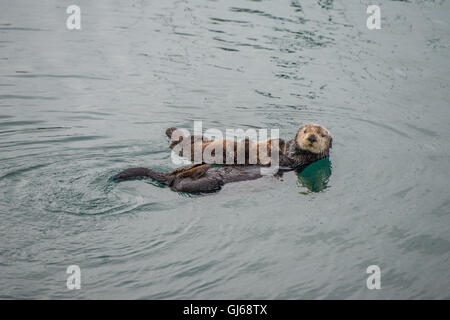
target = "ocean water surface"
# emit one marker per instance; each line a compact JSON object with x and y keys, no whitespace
{"x":78,"y":106}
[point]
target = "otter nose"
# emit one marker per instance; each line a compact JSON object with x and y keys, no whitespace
{"x":312,"y":138}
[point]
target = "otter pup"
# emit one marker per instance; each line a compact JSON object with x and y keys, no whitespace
{"x":311,"y":143}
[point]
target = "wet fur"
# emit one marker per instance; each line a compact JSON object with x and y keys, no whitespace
{"x":296,"y":155}
{"x":230,"y":148}
{"x":312,"y":142}
{"x":194,"y":178}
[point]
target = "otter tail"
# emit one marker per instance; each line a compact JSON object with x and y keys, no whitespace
{"x":134,"y":173}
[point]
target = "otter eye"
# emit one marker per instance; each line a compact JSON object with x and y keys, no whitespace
{"x":322,"y":135}
{"x":304,"y":131}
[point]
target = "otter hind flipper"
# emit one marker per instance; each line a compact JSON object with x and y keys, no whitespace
{"x":204,"y":184}
{"x":135,"y":173}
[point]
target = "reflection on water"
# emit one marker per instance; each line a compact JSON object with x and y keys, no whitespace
{"x":315,"y":176}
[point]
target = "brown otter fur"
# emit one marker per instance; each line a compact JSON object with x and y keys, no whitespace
{"x":194,"y":178}
{"x":311,"y":143}
{"x":231,"y":150}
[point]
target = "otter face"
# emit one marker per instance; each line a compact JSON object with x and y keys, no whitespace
{"x":313,"y":138}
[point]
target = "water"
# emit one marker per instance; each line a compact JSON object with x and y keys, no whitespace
{"x":78,"y":106}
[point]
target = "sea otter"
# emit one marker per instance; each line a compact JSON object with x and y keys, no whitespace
{"x":311,"y":143}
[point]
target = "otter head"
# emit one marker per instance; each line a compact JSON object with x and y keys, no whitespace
{"x":313,"y":138}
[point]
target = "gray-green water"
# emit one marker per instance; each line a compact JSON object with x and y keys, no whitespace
{"x":78,"y":106}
